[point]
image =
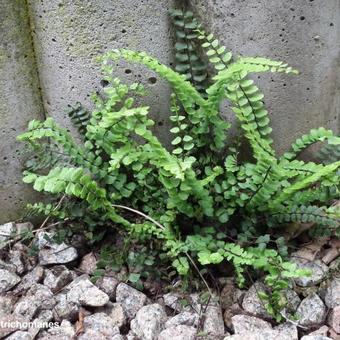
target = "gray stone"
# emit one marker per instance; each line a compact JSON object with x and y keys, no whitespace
{"x":245,"y":323}
{"x":32,"y":277}
{"x":58,"y":254}
{"x":180,"y":332}
{"x":333,"y":319}
{"x":38,"y":298}
{"x":108,"y":284}
{"x":131,"y":299}
{"x":296,"y":34}
{"x":332,"y":298}
{"x":213,"y":320}
{"x":118,"y":337}
{"x":287,"y":331}
{"x":64,"y":331}
{"x":7,"y":266}
{"x":335,"y":264}
{"x":12,"y":323}
{"x":8,"y":280}
{"x":90,"y":334}
{"x":27,"y":307}
{"x":315,"y":337}
{"x":88,"y":263}
{"x":43,"y":318}
{"x":173,"y":301}
{"x":311,"y":311}
{"x":20,"y":101}
{"x":318,"y":272}
{"x":293,"y":301}
{"x":251,"y":328}
{"x":321,"y":331}
{"x":149,"y":321}
{"x":181,"y":303}
{"x":7,"y":230}
{"x":15,"y":258}
{"x":131,"y":336}
{"x":115,"y":311}
{"x":252,"y":303}
{"x":84,"y":292}
{"x":98,"y":323}
{"x":183,"y":318}
{"x":57,"y":277}
{"x":20,"y":335}
{"x":64,"y":309}
{"x":43,"y":294}
{"x":6,"y":304}
{"x":22,"y":228}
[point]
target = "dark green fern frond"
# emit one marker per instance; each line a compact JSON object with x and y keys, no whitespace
{"x":329,"y":153}
{"x":45,"y":156}
{"x":188,"y":60}
{"x":315,"y":135}
{"x":304,"y":214}
{"x":80,"y":117}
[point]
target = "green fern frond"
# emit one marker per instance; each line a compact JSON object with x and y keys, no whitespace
{"x":185,"y":91}
{"x":216,"y":53}
{"x":80,"y":117}
{"x":304,"y":214}
{"x":329,"y":153}
{"x":188,"y":60}
{"x":304,"y":183}
{"x":315,"y":135}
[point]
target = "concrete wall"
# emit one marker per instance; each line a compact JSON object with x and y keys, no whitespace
{"x":19,"y":103}
{"x":69,"y":34}
{"x":304,"y":33}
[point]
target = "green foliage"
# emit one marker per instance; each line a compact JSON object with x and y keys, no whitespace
{"x":188,"y":60}
{"x":192,"y":199}
{"x":329,"y":153}
{"x":79,"y":117}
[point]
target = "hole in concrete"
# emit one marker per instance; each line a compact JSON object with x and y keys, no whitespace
{"x":307,"y":88}
{"x":302,"y":18}
{"x":292,"y":9}
{"x":53,"y":39}
{"x":128,"y":71}
{"x":152,"y":80}
{"x":232,"y":14}
{"x":160,"y":123}
{"x":104,"y":83}
{"x":284,"y":84}
{"x":123,"y":31}
{"x":331,"y":24}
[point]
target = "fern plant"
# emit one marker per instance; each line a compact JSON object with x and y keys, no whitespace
{"x":196,"y":196}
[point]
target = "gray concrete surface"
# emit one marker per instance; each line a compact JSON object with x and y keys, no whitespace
{"x":306,"y":34}
{"x":69,"y":34}
{"x":19,"y":103}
